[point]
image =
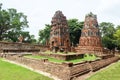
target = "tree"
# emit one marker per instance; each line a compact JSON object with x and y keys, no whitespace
{"x":75,"y":30}
{"x":117,"y":38}
{"x":4,"y":22}
{"x":12,"y":25}
{"x":32,"y":39}
{"x":107,"y":30}
{"x":118,"y":27}
{"x":17,"y":24}
{"x":108,"y":42}
{"x":44,"y":34}
{"x":28,"y":38}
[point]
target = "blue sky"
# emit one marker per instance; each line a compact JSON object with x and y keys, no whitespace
{"x":40,"y":12}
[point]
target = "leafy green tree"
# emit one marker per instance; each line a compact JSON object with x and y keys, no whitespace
{"x":12,"y":25}
{"x":75,"y":30}
{"x":117,"y":38}
{"x":28,"y":38}
{"x":108,"y":42}
{"x":118,"y":27}
{"x":107,"y":30}
{"x":17,"y":24}
{"x":4,"y":22}
{"x":44,"y":34}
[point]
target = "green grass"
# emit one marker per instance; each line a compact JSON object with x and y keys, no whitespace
{"x":111,"y":73}
{"x":10,"y":71}
{"x":86,"y":58}
{"x":43,"y":57}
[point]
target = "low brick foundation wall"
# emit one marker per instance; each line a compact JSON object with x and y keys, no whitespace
{"x":98,"y":64}
{"x":16,"y":47}
{"x":61,"y":71}
{"x":105,"y":56}
{"x":79,"y":69}
{"x":64,"y":71}
{"x":62,"y":56}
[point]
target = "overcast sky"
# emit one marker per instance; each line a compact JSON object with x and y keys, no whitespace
{"x":40,"y":12}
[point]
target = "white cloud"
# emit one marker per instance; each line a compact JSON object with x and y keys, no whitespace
{"x":40,"y":12}
{"x":108,"y":11}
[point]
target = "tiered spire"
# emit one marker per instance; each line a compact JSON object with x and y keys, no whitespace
{"x":90,"y":40}
{"x":59,"y":35}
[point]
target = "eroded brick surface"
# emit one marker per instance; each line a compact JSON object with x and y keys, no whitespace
{"x":59,"y":35}
{"x":90,"y":40}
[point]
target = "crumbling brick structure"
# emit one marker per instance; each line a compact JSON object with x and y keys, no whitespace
{"x":14,"y":47}
{"x":90,"y":40}
{"x":59,"y":35}
{"x":65,"y":70}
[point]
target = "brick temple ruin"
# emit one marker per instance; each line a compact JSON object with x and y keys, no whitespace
{"x":59,"y":35}
{"x":90,"y":40}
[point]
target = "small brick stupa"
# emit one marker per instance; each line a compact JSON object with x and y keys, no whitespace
{"x":59,"y":35}
{"x":90,"y":40}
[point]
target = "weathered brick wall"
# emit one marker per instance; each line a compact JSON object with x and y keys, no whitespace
{"x":79,"y":69}
{"x":62,"y":56}
{"x":85,"y":67}
{"x":98,"y":64}
{"x":18,"y":47}
{"x":64,"y":71}
{"x":107,"y":56}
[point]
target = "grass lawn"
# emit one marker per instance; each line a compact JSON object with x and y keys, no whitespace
{"x":111,"y":73}
{"x":86,"y":58}
{"x":10,"y":71}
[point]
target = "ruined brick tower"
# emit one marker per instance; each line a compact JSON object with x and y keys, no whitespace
{"x":59,"y":35}
{"x":90,"y":40}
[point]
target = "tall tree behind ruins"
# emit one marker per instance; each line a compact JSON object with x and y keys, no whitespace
{"x":12,"y":25}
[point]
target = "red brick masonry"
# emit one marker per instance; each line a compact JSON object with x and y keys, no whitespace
{"x":64,"y":71}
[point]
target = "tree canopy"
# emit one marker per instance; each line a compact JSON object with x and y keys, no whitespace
{"x":75,"y":30}
{"x":44,"y":34}
{"x":117,"y":37}
{"x":110,"y":35}
{"x":107,"y":30}
{"x":12,"y":25}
